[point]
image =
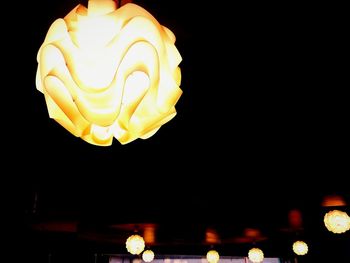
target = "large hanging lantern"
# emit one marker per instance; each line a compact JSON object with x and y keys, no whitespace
{"x":300,"y":248}
{"x":148,"y":255}
{"x":135,"y":244}
{"x":213,"y":256}
{"x":109,"y":72}
{"x":255,"y":255}
{"x":337,"y":221}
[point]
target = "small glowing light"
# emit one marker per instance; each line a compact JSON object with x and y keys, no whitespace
{"x":135,"y":244}
{"x":300,"y":248}
{"x":213,"y":256}
{"x":337,"y":221}
{"x":148,"y":255}
{"x":256,"y":255}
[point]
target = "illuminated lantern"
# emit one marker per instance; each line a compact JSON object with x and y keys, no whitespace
{"x":337,"y":221}
{"x":213,"y":256}
{"x":135,"y":244}
{"x":300,"y":248}
{"x":109,"y":72}
{"x":256,"y":255}
{"x":148,"y":255}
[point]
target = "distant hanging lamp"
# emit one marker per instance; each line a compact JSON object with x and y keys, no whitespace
{"x":148,"y":255}
{"x":300,"y":248}
{"x":135,"y":244}
{"x":256,"y":255}
{"x":337,"y":221}
{"x":108,"y":71}
{"x":213,"y":256}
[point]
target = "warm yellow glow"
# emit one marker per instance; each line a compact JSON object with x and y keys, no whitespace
{"x":256,"y":255}
{"x":213,"y":256}
{"x":148,"y":255}
{"x":109,"y":72}
{"x":135,"y":244}
{"x":337,"y":221}
{"x":300,"y":248}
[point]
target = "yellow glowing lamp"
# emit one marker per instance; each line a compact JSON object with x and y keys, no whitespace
{"x":337,"y":221}
{"x":109,"y":72}
{"x":148,"y":255}
{"x":300,"y":248}
{"x":213,"y":256}
{"x":135,"y":244}
{"x":255,"y":255}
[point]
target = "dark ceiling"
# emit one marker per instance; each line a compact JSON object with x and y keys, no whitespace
{"x":261,"y":130}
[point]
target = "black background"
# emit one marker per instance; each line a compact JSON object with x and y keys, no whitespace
{"x":261,"y":125}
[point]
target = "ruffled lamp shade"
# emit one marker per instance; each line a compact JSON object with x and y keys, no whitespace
{"x":109,"y":72}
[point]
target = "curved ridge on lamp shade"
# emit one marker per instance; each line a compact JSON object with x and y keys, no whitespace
{"x":108,"y":72}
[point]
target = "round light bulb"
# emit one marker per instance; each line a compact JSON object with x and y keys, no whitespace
{"x":300,"y":248}
{"x":213,"y":256}
{"x":148,"y":255}
{"x":256,"y":255}
{"x":135,"y":244}
{"x":337,"y":221}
